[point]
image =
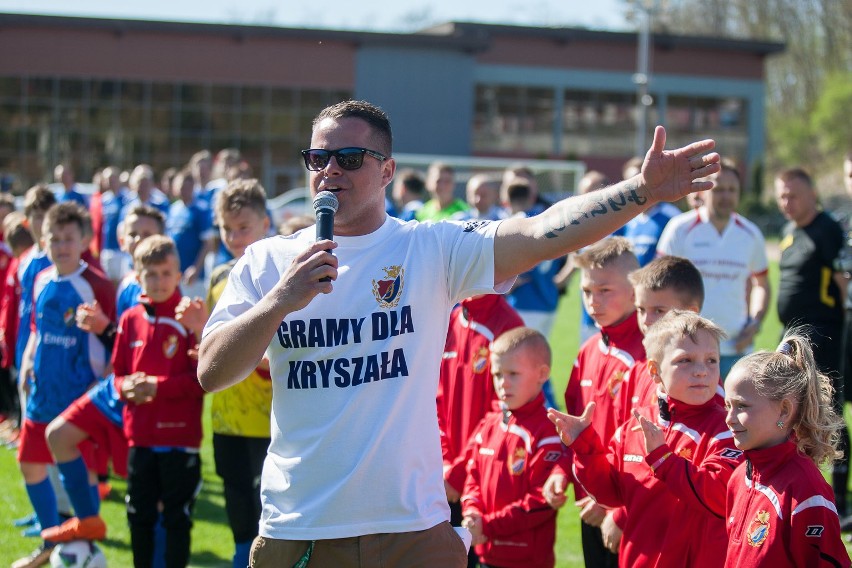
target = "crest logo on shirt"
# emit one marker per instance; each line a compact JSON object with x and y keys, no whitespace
{"x":613,"y":385}
{"x":479,"y":360}
{"x":731,"y":453}
{"x":814,"y":530}
{"x":518,"y":462}
{"x":474,"y":224}
{"x":388,"y":290}
{"x":758,"y":530}
{"x":68,"y":317}
{"x":170,"y":346}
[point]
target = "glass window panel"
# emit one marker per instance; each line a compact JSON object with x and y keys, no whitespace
{"x":161,"y":117}
{"x":283,"y":99}
{"x":192,"y":121}
{"x":223,"y":95}
{"x":39,"y":88}
{"x":132,"y":93}
{"x":282,"y":124}
{"x":103,"y":92}
{"x":11,"y":88}
{"x":133,"y":117}
{"x":191,"y":95}
{"x":252,"y":123}
{"x":514,"y":119}
{"x":253,"y":97}
{"x":224,"y":122}
{"x":71,"y":89}
{"x":162,"y":93}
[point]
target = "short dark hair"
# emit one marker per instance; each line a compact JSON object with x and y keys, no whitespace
{"x":68,"y":213}
{"x":238,"y":195}
{"x":39,"y":199}
{"x":674,"y":273}
{"x":413,"y":181}
{"x":369,"y":113}
{"x":796,"y":173}
{"x":156,"y":249}
{"x":150,"y":212}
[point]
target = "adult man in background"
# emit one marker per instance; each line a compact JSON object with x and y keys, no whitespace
{"x":441,"y":184}
{"x":355,"y":339}
{"x":809,"y":290}
{"x":730,"y":252}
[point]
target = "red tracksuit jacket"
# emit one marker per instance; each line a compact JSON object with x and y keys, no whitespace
{"x":781,"y":513}
{"x":512,"y":456}
{"x":674,"y":496}
{"x":465,"y":389}
{"x":597,"y":376}
{"x":150,"y":340}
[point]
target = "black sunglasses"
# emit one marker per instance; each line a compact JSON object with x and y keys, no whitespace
{"x":316,"y":159}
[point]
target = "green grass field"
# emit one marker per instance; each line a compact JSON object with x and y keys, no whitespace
{"x":211,"y":538}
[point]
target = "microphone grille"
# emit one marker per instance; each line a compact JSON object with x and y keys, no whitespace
{"x":325,"y":200}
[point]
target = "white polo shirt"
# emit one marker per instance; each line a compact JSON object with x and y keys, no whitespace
{"x":726,"y":260}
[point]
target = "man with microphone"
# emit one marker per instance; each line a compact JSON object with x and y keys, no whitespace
{"x":353,"y":473}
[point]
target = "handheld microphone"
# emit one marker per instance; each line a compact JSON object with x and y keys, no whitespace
{"x":325,"y":206}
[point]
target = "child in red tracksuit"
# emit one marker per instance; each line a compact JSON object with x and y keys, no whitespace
{"x":162,"y":419}
{"x":598,"y":373}
{"x":668,"y":466}
{"x":512,"y":453}
{"x":780,"y":510}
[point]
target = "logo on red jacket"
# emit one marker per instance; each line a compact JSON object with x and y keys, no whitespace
{"x":170,"y":346}
{"x":518,"y":462}
{"x":68,"y":317}
{"x":758,"y":530}
{"x":613,"y":385}
{"x":479,"y":360}
{"x":388,"y":290}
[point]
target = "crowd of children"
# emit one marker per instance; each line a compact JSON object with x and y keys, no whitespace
{"x":667,"y":467}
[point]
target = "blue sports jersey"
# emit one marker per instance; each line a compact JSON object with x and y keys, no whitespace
{"x":104,"y":394}
{"x":32,"y":262}
{"x":67,"y":359}
{"x":158,"y":200}
{"x":644,"y":231}
{"x":105,"y":398}
{"x":538,"y":293}
{"x":189,"y":226}
{"x":128,"y":294}
{"x":112,"y":206}
{"x":73,"y":195}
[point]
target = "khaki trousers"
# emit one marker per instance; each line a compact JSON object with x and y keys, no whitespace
{"x":438,"y":546}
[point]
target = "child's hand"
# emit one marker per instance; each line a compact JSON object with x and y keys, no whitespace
{"x":473,"y":523}
{"x":452,"y":493}
{"x":136,"y":389}
{"x":570,"y":427}
{"x":590,"y":512}
{"x":146,"y":389}
{"x":91,"y":318}
{"x":654,"y":437}
{"x":611,"y":534}
{"x":192,"y":314}
{"x":554,"y":490}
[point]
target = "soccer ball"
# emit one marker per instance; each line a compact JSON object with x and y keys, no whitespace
{"x":77,"y":554}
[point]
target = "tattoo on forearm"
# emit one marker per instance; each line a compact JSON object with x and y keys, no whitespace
{"x":574,"y":212}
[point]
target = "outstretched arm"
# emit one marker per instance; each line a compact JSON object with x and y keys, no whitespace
{"x":225,"y":357}
{"x":667,"y":175}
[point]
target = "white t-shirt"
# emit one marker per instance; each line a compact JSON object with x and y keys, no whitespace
{"x":726,"y":262}
{"x":355,"y":447}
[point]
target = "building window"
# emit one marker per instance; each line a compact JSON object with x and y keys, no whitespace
{"x":97,"y":122}
{"x":514,"y":121}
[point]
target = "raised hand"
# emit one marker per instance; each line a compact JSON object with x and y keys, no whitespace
{"x":672,"y":174}
{"x":192,"y":314}
{"x":91,"y":318}
{"x":570,"y":427}
{"x":654,"y":437}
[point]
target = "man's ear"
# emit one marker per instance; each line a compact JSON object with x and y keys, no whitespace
{"x":654,"y":371}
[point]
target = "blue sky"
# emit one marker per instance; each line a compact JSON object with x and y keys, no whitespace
{"x":376,"y":15}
